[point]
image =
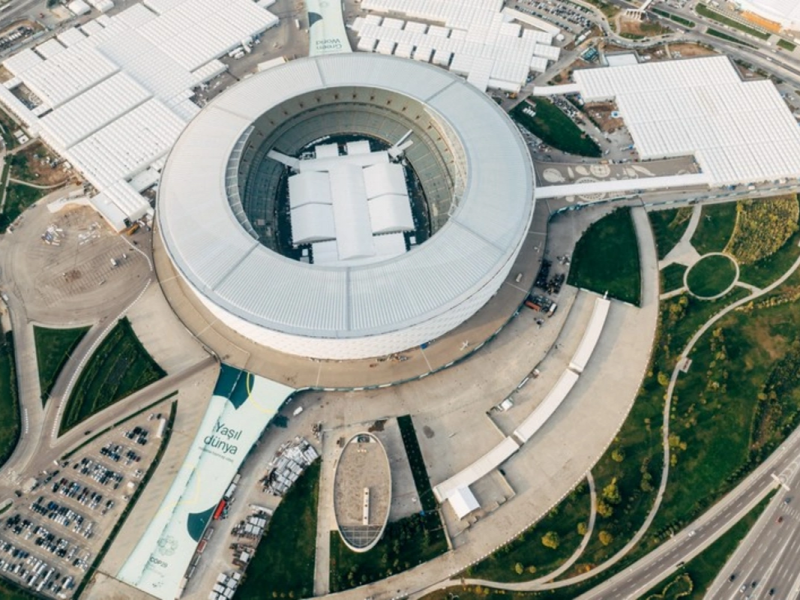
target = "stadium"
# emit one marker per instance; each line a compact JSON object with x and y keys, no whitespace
{"x":346,"y":206}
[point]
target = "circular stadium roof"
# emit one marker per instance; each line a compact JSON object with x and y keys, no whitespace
{"x":230,"y":269}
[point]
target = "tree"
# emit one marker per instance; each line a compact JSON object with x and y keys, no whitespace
{"x":582,"y":528}
{"x":611,"y":492}
{"x":604,"y":509}
{"x":519,"y":569}
{"x":663,"y":379}
{"x":550,"y":540}
{"x":605,"y":538}
{"x":531,"y":569}
{"x":618,"y":455}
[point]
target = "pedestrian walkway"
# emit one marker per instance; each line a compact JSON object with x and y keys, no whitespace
{"x":684,"y":253}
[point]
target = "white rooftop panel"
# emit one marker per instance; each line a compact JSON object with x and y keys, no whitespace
{"x":591,"y":335}
{"x":326,"y":150}
{"x":549,"y":405}
{"x":391,"y":213}
{"x":22,"y":61}
{"x":313,"y":187}
{"x":91,"y":27}
{"x":312,"y":223}
{"x":127,"y":145}
{"x":701,"y":107}
{"x":82,"y":116}
{"x":71,"y":36}
{"x":463,"y":502}
{"x":480,"y":468}
{"x":67,"y":74}
{"x":50,"y":48}
{"x":135,"y":16}
{"x":155,"y":70}
{"x":385,"y":178}
{"x":162,"y":6}
{"x":351,"y":214}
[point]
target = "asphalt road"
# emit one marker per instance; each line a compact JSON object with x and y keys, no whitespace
{"x":769,"y":555}
{"x":660,"y":563}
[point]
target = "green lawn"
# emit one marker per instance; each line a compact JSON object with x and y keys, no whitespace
{"x":18,"y":198}
{"x":593,"y":267}
{"x":786,"y":45}
{"x":715,"y":228}
{"x":554,"y":128}
{"x":9,"y":403}
{"x":738,"y":401}
{"x":668,"y":227}
{"x":283,"y":565}
{"x":119,"y":367}
{"x":704,"y":11}
{"x":639,"y":439}
{"x":53,"y":349}
{"x":676,"y":18}
{"x":767,"y":270}
{"x":417,"y":463}
{"x":672,"y":277}
{"x":703,"y":568}
{"x":405,"y":543}
{"x":513,"y":562}
{"x":724,"y":36}
{"x":711,"y":275}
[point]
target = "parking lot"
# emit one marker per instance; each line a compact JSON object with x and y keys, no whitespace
{"x":60,"y":520}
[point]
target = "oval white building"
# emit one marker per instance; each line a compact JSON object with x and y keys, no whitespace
{"x":281,"y":205}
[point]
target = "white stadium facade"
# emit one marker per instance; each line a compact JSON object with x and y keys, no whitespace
{"x":281,"y":205}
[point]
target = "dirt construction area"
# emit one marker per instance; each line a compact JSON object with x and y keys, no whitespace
{"x":68,"y":266}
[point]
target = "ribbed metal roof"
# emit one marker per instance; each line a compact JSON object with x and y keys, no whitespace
{"x":231,"y":269}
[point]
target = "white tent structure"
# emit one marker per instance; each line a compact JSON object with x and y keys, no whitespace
{"x":478,"y":41}
{"x":739,"y":132}
{"x":115,"y":93}
{"x":348,"y":199}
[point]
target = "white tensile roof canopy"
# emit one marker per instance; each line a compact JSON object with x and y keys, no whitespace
{"x":348,"y":200}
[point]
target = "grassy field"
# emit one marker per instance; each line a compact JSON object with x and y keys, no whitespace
{"x":611,"y":236}
{"x":668,"y":227}
{"x":676,"y":18}
{"x":515,"y":561}
{"x":53,"y":349}
{"x":729,"y":38}
{"x":715,"y":228}
{"x":767,"y":270}
{"x":283,"y":565}
{"x":738,"y":401}
{"x":762,"y":227}
{"x":700,"y":572}
{"x":786,"y":45}
{"x":704,"y":11}
{"x":417,"y":463}
{"x":639,"y":439}
{"x":405,"y":543}
{"x":672,"y":277}
{"x":119,"y":367}
{"x":711,"y":275}
{"x":18,"y":198}
{"x":554,"y":128}
{"x":9,"y":403}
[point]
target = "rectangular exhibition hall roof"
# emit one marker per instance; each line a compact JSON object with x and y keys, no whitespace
{"x":739,"y":132}
{"x":478,"y":41}
{"x":115,"y":93}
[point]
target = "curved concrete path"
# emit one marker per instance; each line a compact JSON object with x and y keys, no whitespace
{"x":665,"y":436}
{"x":526,"y":585}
